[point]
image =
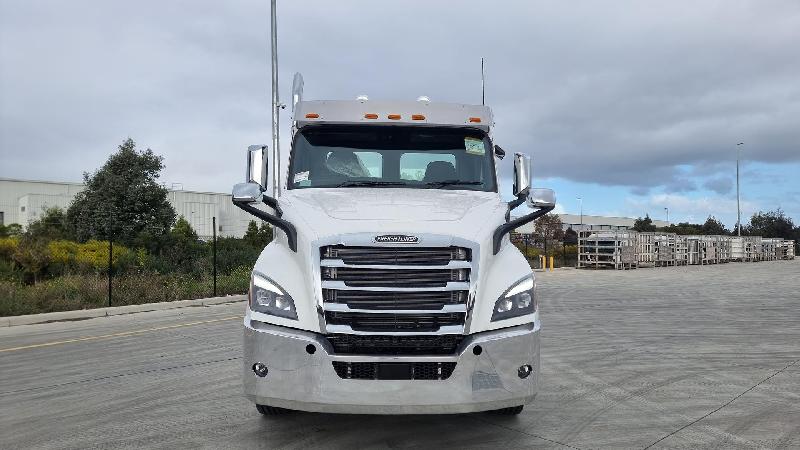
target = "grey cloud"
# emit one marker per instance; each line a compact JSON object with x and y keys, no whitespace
{"x":628,"y":96}
{"x":720,"y":185}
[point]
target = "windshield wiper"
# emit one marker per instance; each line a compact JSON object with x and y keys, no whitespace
{"x":453,"y":183}
{"x":354,"y":183}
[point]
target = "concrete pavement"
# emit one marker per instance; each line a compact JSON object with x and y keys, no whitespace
{"x":686,"y":357}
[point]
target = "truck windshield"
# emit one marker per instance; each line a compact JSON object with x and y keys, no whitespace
{"x":330,"y":156}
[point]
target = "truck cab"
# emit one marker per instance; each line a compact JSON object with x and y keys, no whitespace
{"x":391,"y":286}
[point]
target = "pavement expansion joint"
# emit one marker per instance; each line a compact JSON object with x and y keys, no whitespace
{"x":724,"y":404}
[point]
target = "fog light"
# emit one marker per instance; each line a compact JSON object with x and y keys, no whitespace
{"x":524,"y":371}
{"x":260,"y":369}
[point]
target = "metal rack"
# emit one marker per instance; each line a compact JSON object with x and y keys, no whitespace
{"x":614,"y":249}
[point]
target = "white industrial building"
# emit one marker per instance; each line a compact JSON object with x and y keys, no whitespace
{"x":23,"y":201}
{"x":586,"y":222}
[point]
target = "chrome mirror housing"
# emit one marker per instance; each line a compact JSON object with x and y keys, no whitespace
{"x":257,"y":166}
{"x":522,"y":174}
{"x":541,"y":198}
{"x":247,"y":193}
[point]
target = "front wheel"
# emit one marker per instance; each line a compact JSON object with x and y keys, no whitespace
{"x":271,"y":410}
{"x":512,"y":411}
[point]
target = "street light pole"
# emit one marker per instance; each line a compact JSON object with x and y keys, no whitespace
{"x":581,"y":200}
{"x":738,"y":205}
{"x":667,"y":210}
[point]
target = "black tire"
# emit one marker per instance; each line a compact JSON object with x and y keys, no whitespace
{"x":512,"y":411}
{"x":271,"y":410}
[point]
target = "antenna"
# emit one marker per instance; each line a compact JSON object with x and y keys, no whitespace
{"x":483,"y":85}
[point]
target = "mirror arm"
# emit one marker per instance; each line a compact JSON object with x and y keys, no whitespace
{"x":521,"y":197}
{"x":287,"y":227}
{"x":272,"y":202}
{"x":506,"y":228}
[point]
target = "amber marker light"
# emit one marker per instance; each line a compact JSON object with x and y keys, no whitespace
{"x":312,"y":116}
{"x":417,"y":117}
{"x":370,"y":116}
{"x":475,"y":120}
{"x":393,"y":116}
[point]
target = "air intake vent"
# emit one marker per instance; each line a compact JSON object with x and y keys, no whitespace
{"x":394,"y":371}
{"x":356,"y":344}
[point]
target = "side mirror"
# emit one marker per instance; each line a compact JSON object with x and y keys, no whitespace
{"x":246,"y":193}
{"x":522,"y":174}
{"x":541,"y":198}
{"x":257,"y":166}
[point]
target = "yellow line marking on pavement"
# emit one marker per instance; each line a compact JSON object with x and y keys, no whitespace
{"x":115,"y":335}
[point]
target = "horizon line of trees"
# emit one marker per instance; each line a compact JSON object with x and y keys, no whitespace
{"x":768,"y":224}
{"x":124,"y":203}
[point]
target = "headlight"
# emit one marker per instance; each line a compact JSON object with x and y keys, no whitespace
{"x":269,"y":298}
{"x":518,"y":300}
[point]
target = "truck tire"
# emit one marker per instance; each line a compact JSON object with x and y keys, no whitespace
{"x":512,"y":411}
{"x":271,"y":410}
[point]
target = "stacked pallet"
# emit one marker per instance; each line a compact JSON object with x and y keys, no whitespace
{"x":770,"y":248}
{"x":711,"y":249}
{"x":724,"y":249}
{"x":756,"y":250}
{"x":787,"y":250}
{"x":681,"y":250}
{"x":614,"y":249}
{"x":665,"y":246}
{"x":694,"y":250}
{"x":645,"y":248}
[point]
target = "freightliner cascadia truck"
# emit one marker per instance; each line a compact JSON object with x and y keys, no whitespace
{"x":391,"y":286}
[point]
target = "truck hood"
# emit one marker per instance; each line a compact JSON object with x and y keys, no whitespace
{"x":348,"y":210}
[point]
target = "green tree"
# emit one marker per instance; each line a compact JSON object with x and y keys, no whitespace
{"x":643,"y":225}
{"x":683,"y":228}
{"x":251,"y":235}
{"x":265,"y":233}
{"x":183,"y":251}
{"x":12,"y":229}
{"x":122,"y":199}
{"x":549,"y":227}
{"x":256,"y":236}
{"x":770,"y":224}
{"x":183,"y":230}
{"x":713,"y":227}
{"x":570,"y":236}
{"x":51,"y":225}
{"x":32,"y":255}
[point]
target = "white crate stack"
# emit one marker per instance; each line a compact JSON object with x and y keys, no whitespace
{"x":626,"y":249}
{"x":616,"y":249}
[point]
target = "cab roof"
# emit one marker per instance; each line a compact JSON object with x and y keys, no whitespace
{"x":392,"y":113}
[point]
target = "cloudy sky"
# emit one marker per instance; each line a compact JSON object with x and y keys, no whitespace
{"x":634,"y":107}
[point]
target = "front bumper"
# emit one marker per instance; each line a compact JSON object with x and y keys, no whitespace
{"x":300,"y":380}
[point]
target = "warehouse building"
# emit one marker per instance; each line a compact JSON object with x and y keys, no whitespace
{"x":586,"y":222}
{"x":24,"y":201}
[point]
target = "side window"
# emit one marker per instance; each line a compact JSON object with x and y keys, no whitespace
{"x":414,"y":165}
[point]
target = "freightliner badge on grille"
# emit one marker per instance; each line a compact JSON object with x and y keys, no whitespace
{"x":396,"y":239}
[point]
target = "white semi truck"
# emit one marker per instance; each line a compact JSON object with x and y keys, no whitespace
{"x":391,"y":286}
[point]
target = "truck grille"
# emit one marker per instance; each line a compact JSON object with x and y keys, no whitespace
{"x":394,"y":322}
{"x":349,"y":344}
{"x":362,"y":277}
{"x":394,"y":371}
{"x":374,"y":294}
{"x":432,"y":300}
{"x":398,"y":256}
